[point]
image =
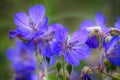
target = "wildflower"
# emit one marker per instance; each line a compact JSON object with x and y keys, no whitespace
{"x":87,"y":77}
{"x":112,"y":50}
{"x":22,"y":60}
{"x":85,"y":73}
{"x":72,"y":49}
{"x":28,"y":26}
{"x":95,"y":30}
{"x":45,"y":41}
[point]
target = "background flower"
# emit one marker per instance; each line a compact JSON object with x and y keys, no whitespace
{"x":22,"y":60}
{"x":96,"y":29}
{"x":112,"y":50}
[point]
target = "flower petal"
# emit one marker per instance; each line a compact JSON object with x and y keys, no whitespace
{"x":100,"y":19}
{"x":71,"y":59}
{"x":87,"y":77}
{"x":21,"y":20}
{"x":114,"y":56}
{"x":35,"y":43}
{"x":55,"y":27}
{"x":53,"y":60}
{"x":25,"y":33}
{"x":37,"y":13}
{"x":44,"y":25}
{"x":79,"y":36}
{"x":117,"y":24}
{"x":85,"y":24}
{"x":61,"y":35}
{"x":112,"y":43}
{"x":81,"y":52}
{"x":11,"y":54}
{"x":92,"y":42}
{"x":58,"y":47}
{"x":13,"y":34}
{"x":47,"y":50}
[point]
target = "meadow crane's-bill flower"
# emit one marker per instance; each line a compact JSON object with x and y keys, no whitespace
{"x":96,"y":29}
{"x":44,"y":42}
{"x":74,"y":48}
{"x":112,"y":50}
{"x":29,"y":25}
{"x":22,"y":60}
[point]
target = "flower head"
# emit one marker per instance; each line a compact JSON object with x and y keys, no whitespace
{"x":45,"y":41}
{"x":22,"y":59}
{"x":72,"y":48}
{"x":87,"y":77}
{"x":28,"y":26}
{"x":95,"y":29}
{"x":112,"y":50}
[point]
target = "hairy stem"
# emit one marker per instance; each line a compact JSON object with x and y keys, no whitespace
{"x":63,"y":64}
{"x":45,"y":68}
{"x":37,"y":64}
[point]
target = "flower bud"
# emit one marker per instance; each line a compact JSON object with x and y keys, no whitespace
{"x":106,"y":62}
{"x":69,"y":68}
{"x":58,"y":66}
{"x":86,"y":73}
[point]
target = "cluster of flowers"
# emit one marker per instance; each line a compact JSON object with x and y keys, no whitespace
{"x":35,"y":35}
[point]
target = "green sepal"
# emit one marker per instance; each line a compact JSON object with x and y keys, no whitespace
{"x":58,"y":65}
{"x":69,"y":68}
{"x":109,"y":67}
{"x":47,"y":59}
{"x":115,"y":32}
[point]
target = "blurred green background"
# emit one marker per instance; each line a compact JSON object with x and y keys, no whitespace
{"x":70,"y":13}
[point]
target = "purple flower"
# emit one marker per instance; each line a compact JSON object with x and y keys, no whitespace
{"x":95,"y":29}
{"x":21,"y":58}
{"x":28,"y":76}
{"x":87,"y":77}
{"x":45,"y":41}
{"x":112,"y":50}
{"x":28,"y":26}
{"x":73,"y":47}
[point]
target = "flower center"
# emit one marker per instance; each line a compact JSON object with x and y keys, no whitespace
{"x":49,"y":37}
{"x":94,"y":28}
{"x":32,"y":25}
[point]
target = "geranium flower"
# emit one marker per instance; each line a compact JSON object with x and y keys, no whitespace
{"x":44,"y":42}
{"x":22,"y":59}
{"x":96,"y":30}
{"x":72,"y":48}
{"x":112,"y":50}
{"x":28,"y":26}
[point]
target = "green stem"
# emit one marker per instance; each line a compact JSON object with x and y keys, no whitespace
{"x":37,"y":63}
{"x":101,"y":62}
{"x":45,"y":68}
{"x":63,"y":63}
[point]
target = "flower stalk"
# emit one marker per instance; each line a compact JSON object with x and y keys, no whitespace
{"x":45,"y":68}
{"x":63,"y":63}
